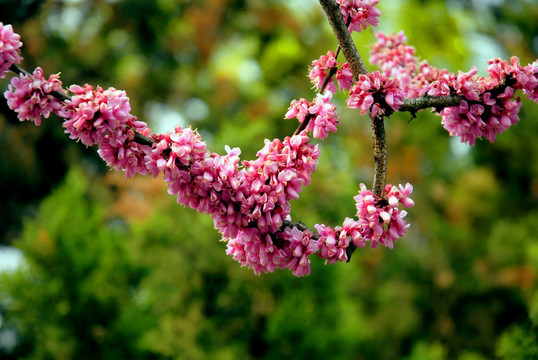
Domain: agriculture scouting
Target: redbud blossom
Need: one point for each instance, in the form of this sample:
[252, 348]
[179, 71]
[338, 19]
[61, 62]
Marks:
[361, 12]
[380, 220]
[29, 96]
[398, 61]
[490, 107]
[103, 117]
[322, 117]
[375, 93]
[10, 45]
[322, 67]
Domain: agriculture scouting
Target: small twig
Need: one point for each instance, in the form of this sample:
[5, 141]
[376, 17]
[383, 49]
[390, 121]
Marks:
[138, 138]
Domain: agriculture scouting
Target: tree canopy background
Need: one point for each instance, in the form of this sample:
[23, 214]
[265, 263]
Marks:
[114, 268]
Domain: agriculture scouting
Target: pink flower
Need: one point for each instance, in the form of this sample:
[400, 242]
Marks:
[490, 107]
[320, 70]
[257, 252]
[298, 109]
[324, 115]
[393, 55]
[30, 96]
[380, 220]
[398, 61]
[527, 80]
[361, 12]
[375, 93]
[103, 117]
[333, 243]
[325, 66]
[10, 45]
[344, 76]
[298, 247]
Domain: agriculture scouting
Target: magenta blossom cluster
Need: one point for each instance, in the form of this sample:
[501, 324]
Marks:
[324, 67]
[10, 44]
[270, 182]
[523, 77]
[30, 96]
[380, 218]
[375, 93]
[359, 13]
[490, 106]
[103, 117]
[397, 60]
[249, 201]
[379, 221]
[320, 114]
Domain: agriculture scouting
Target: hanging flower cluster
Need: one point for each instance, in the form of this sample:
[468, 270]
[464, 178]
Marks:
[325, 67]
[490, 106]
[249, 201]
[103, 117]
[320, 114]
[10, 44]
[375, 93]
[30, 96]
[379, 221]
[359, 13]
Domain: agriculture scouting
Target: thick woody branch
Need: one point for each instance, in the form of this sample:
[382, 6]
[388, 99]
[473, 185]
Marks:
[425, 102]
[380, 155]
[332, 9]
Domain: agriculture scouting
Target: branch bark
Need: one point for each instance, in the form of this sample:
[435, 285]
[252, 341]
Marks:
[424, 102]
[332, 9]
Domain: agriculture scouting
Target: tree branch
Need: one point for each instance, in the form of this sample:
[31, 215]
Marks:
[332, 9]
[139, 138]
[424, 102]
[380, 155]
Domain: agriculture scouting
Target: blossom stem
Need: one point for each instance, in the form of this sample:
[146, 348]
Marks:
[424, 102]
[332, 9]
[380, 155]
[139, 138]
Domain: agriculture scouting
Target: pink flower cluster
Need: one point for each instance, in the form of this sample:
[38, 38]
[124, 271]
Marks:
[359, 13]
[320, 114]
[397, 60]
[525, 77]
[10, 44]
[375, 93]
[29, 96]
[248, 203]
[325, 66]
[490, 107]
[103, 117]
[267, 185]
[379, 220]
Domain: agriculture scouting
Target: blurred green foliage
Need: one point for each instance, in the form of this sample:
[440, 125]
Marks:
[115, 269]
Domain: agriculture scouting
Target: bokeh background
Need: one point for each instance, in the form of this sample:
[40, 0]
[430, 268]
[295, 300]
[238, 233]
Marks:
[96, 266]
